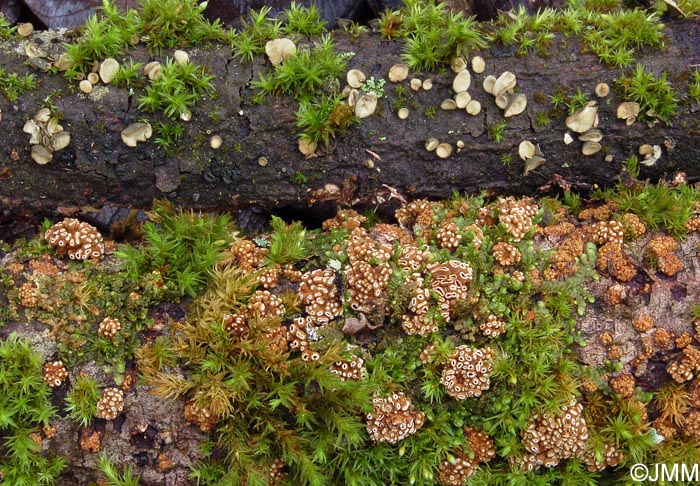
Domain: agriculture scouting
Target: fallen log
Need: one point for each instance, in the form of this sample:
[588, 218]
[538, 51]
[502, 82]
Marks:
[380, 158]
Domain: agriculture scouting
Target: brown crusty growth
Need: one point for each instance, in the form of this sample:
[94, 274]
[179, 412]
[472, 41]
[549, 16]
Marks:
[77, 239]
[298, 338]
[111, 404]
[109, 328]
[552, 437]
[611, 457]
[416, 321]
[263, 304]
[516, 215]
[393, 419]
[603, 232]
[448, 236]
[623, 384]
[466, 373]
[450, 281]
[54, 373]
[319, 295]
[352, 369]
[455, 472]
[492, 326]
[685, 369]
[199, 415]
[505, 254]
[662, 250]
[28, 294]
[366, 285]
[363, 248]
[344, 218]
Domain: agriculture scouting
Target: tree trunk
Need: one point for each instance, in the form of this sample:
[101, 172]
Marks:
[365, 164]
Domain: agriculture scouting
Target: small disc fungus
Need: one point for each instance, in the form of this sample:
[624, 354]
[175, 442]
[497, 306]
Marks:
[181, 57]
[366, 105]
[458, 64]
[478, 64]
[584, 119]
[355, 78]
[136, 132]
[279, 50]
[462, 81]
[398, 72]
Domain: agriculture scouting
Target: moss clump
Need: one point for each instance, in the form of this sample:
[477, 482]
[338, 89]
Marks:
[13, 85]
[161, 24]
[81, 401]
[6, 28]
[618, 36]
[168, 24]
[656, 96]
[658, 205]
[526, 31]
[432, 34]
[694, 87]
[177, 89]
[181, 246]
[322, 119]
[24, 407]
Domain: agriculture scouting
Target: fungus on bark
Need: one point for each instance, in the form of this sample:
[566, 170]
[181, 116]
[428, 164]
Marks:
[54, 373]
[319, 295]
[111, 404]
[393, 419]
[77, 239]
[109, 327]
[467, 371]
[552, 437]
[450, 281]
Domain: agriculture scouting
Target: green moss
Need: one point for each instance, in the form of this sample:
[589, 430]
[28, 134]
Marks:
[576, 101]
[658, 205]
[652, 93]
[6, 28]
[432, 34]
[182, 246]
[168, 24]
[618, 36]
[496, 131]
[288, 242]
[255, 33]
[302, 20]
[130, 75]
[12, 85]
[161, 24]
[307, 73]
[177, 89]
[101, 39]
[168, 136]
[114, 477]
[323, 118]
[526, 31]
[694, 87]
[542, 118]
[24, 407]
[81, 400]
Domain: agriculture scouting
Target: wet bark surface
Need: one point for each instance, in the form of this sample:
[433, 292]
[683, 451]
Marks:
[98, 169]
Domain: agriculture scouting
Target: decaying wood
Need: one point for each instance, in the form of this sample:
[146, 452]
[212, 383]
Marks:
[378, 159]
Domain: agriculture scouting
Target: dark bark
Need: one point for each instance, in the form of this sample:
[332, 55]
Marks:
[97, 169]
